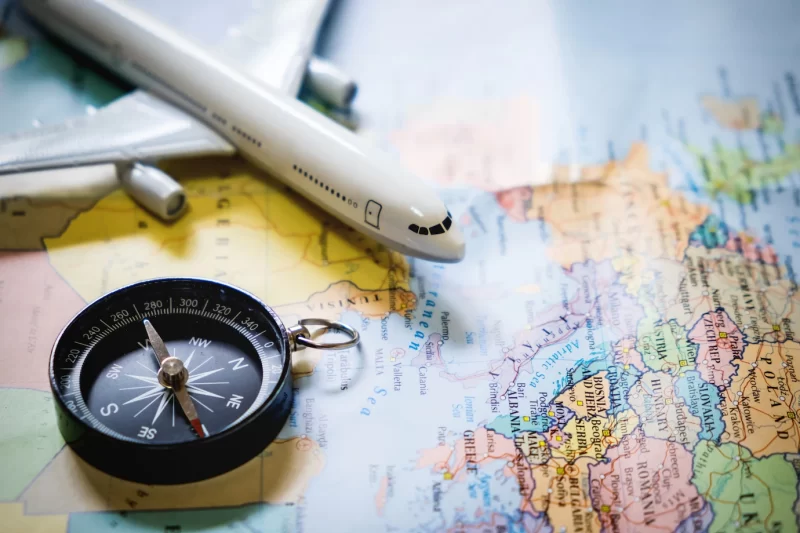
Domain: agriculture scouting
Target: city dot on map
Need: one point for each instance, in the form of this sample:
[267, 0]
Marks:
[580, 402]
[447, 475]
[776, 327]
[682, 362]
[667, 401]
[606, 432]
[550, 413]
[790, 414]
[558, 438]
[626, 367]
[625, 350]
[526, 419]
[560, 471]
[782, 398]
[542, 444]
[722, 335]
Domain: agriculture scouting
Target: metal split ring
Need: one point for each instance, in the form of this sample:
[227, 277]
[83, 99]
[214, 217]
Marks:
[302, 338]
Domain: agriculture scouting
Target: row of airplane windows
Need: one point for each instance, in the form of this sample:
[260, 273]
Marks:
[438, 229]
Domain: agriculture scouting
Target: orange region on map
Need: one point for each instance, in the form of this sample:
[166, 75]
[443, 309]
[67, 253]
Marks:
[466, 455]
[562, 492]
[645, 485]
[758, 297]
[760, 405]
[587, 398]
[280, 475]
[344, 295]
[662, 413]
[35, 303]
[487, 145]
[751, 248]
[720, 341]
[626, 355]
[650, 219]
[741, 114]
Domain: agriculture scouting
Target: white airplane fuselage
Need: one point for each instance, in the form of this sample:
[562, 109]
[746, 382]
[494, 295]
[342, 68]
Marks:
[315, 156]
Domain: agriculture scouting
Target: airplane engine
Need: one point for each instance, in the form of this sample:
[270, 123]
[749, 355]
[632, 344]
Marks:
[329, 83]
[153, 189]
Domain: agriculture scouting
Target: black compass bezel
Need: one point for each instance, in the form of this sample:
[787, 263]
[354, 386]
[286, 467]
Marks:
[186, 461]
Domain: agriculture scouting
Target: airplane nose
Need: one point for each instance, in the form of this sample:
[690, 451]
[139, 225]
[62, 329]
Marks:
[454, 248]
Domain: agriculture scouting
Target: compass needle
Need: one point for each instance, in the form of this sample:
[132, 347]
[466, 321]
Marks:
[192, 379]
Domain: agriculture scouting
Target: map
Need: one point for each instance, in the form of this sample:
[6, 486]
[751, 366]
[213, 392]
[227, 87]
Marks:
[618, 352]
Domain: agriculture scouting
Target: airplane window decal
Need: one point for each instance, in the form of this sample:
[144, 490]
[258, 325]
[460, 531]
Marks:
[438, 229]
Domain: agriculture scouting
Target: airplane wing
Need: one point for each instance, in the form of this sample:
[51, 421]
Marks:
[275, 42]
[136, 127]
[272, 40]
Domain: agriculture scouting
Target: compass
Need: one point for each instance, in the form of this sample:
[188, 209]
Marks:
[177, 379]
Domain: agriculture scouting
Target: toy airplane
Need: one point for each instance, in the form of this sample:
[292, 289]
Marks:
[193, 103]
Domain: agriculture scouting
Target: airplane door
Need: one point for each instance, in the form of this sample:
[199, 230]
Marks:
[372, 214]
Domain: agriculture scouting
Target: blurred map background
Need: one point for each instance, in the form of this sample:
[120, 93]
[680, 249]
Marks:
[617, 352]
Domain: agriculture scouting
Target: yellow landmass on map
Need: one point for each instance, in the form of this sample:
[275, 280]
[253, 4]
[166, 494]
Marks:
[563, 492]
[14, 520]
[741, 114]
[242, 229]
[345, 295]
[587, 398]
[760, 411]
[279, 475]
[620, 206]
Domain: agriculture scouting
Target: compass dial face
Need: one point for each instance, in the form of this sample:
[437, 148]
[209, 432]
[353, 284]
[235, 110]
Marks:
[106, 371]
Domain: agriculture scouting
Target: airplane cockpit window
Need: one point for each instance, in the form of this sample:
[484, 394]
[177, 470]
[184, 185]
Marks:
[438, 229]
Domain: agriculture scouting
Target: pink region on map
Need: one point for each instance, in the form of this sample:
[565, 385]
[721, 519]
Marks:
[516, 202]
[35, 303]
[625, 354]
[430, 354]
[645, 485]
[751, 248]
[720, 341]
